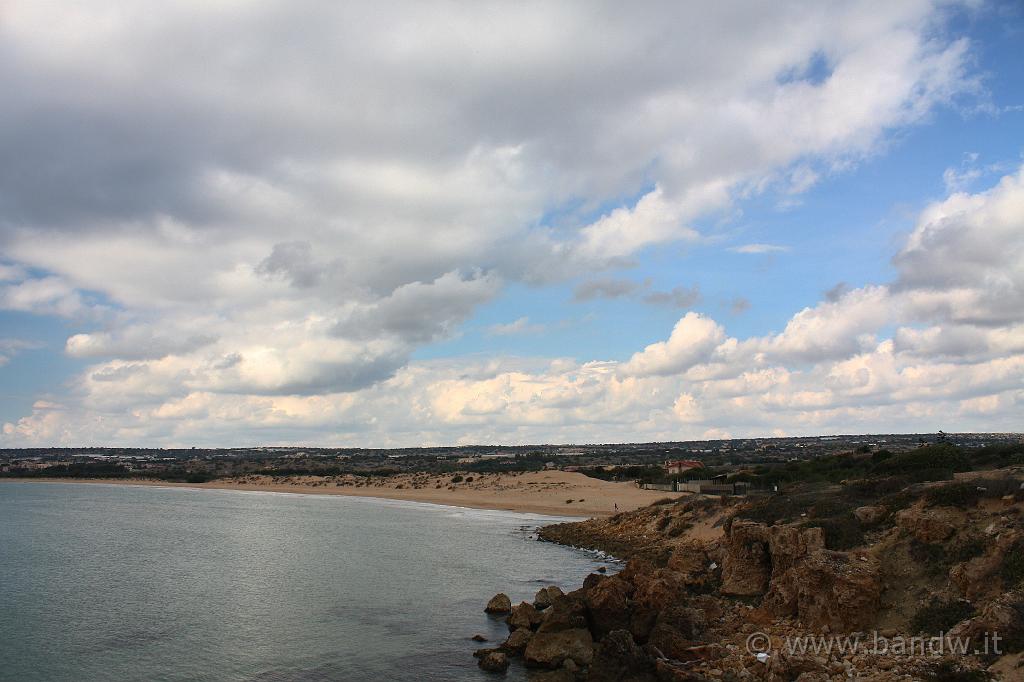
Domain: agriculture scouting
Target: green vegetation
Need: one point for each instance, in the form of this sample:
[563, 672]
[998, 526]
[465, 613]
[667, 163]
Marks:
[937, 559]
[998, 456]
[949, 671]
[642, 473]
[939, 616]
[1012, 570]
[928, 463]
[953, 495]
[966, 549]
[968, 493]
[842, 532]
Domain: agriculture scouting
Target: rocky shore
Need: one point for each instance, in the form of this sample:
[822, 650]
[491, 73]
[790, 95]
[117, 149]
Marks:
[712, 592]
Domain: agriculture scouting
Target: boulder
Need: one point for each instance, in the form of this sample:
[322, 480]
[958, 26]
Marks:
[670, 671]
[665, 641]
[517, 641]
[619, 658]
[653, 592]
[551, 649]
[499, 603]
[608, 605]
[870, 515]
[524, 615]
[567, 612]
[688, 621]
[494, 662]
[786, 666]
[545, 596]
[693, 563]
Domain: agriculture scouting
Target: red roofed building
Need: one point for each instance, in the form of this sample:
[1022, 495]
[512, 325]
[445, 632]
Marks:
[681, 466]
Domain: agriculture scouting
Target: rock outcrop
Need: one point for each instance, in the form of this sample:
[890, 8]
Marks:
[834, 590]
[979, 577]
[545, 596]
[499, 603]
[620, 659]
[799, 577]
[671, 613]
[524, 615]
[870, 515]
[930, 526]
[755, 553]
[747, 564]
[551, 649]
[517, 641]
[494, 662]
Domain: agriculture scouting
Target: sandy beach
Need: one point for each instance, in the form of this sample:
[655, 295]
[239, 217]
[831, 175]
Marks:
[543, 492]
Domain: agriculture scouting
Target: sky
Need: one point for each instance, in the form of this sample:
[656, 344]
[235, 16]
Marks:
[420, 223]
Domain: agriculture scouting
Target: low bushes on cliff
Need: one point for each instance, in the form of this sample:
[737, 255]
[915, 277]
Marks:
[940, 615]
[1012, 570]
[841, 532]
[968, 493]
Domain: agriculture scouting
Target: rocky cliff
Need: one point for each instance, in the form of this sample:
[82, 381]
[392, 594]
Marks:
[705, 576]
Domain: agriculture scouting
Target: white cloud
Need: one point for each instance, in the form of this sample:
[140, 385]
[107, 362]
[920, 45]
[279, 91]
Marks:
[268, 224]
[759, 248]
[11, 347]
[515, 328]
[692, 341]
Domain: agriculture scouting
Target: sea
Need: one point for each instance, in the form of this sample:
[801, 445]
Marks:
[116, 582]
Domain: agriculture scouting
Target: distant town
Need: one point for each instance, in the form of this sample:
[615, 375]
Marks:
[648, 462]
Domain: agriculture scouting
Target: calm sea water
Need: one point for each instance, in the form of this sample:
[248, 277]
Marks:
[107, 582]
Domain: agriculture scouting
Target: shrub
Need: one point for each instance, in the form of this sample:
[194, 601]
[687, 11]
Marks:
[998, 456]
[775, 508]
[1012, 570]
[678, 529]
[663, 522]
[953, 495]
[841, 532]
[664, 500]
[933, 458]
[457, 478]
[939, 616]
[1000, 487]
[881, 456]
[949, 671]
[827, 508]
[965, 550]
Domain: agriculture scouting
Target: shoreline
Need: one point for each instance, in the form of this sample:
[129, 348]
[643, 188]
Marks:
[544, 493]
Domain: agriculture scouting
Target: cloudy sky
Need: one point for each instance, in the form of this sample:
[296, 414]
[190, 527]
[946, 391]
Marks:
[409, 223]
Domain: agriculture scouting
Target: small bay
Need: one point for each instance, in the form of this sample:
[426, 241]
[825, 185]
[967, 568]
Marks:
[109, 582]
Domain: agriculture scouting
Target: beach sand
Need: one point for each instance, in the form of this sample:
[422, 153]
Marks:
[541, 492]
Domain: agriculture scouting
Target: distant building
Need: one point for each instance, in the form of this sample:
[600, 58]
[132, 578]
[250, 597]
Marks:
[681, 466]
